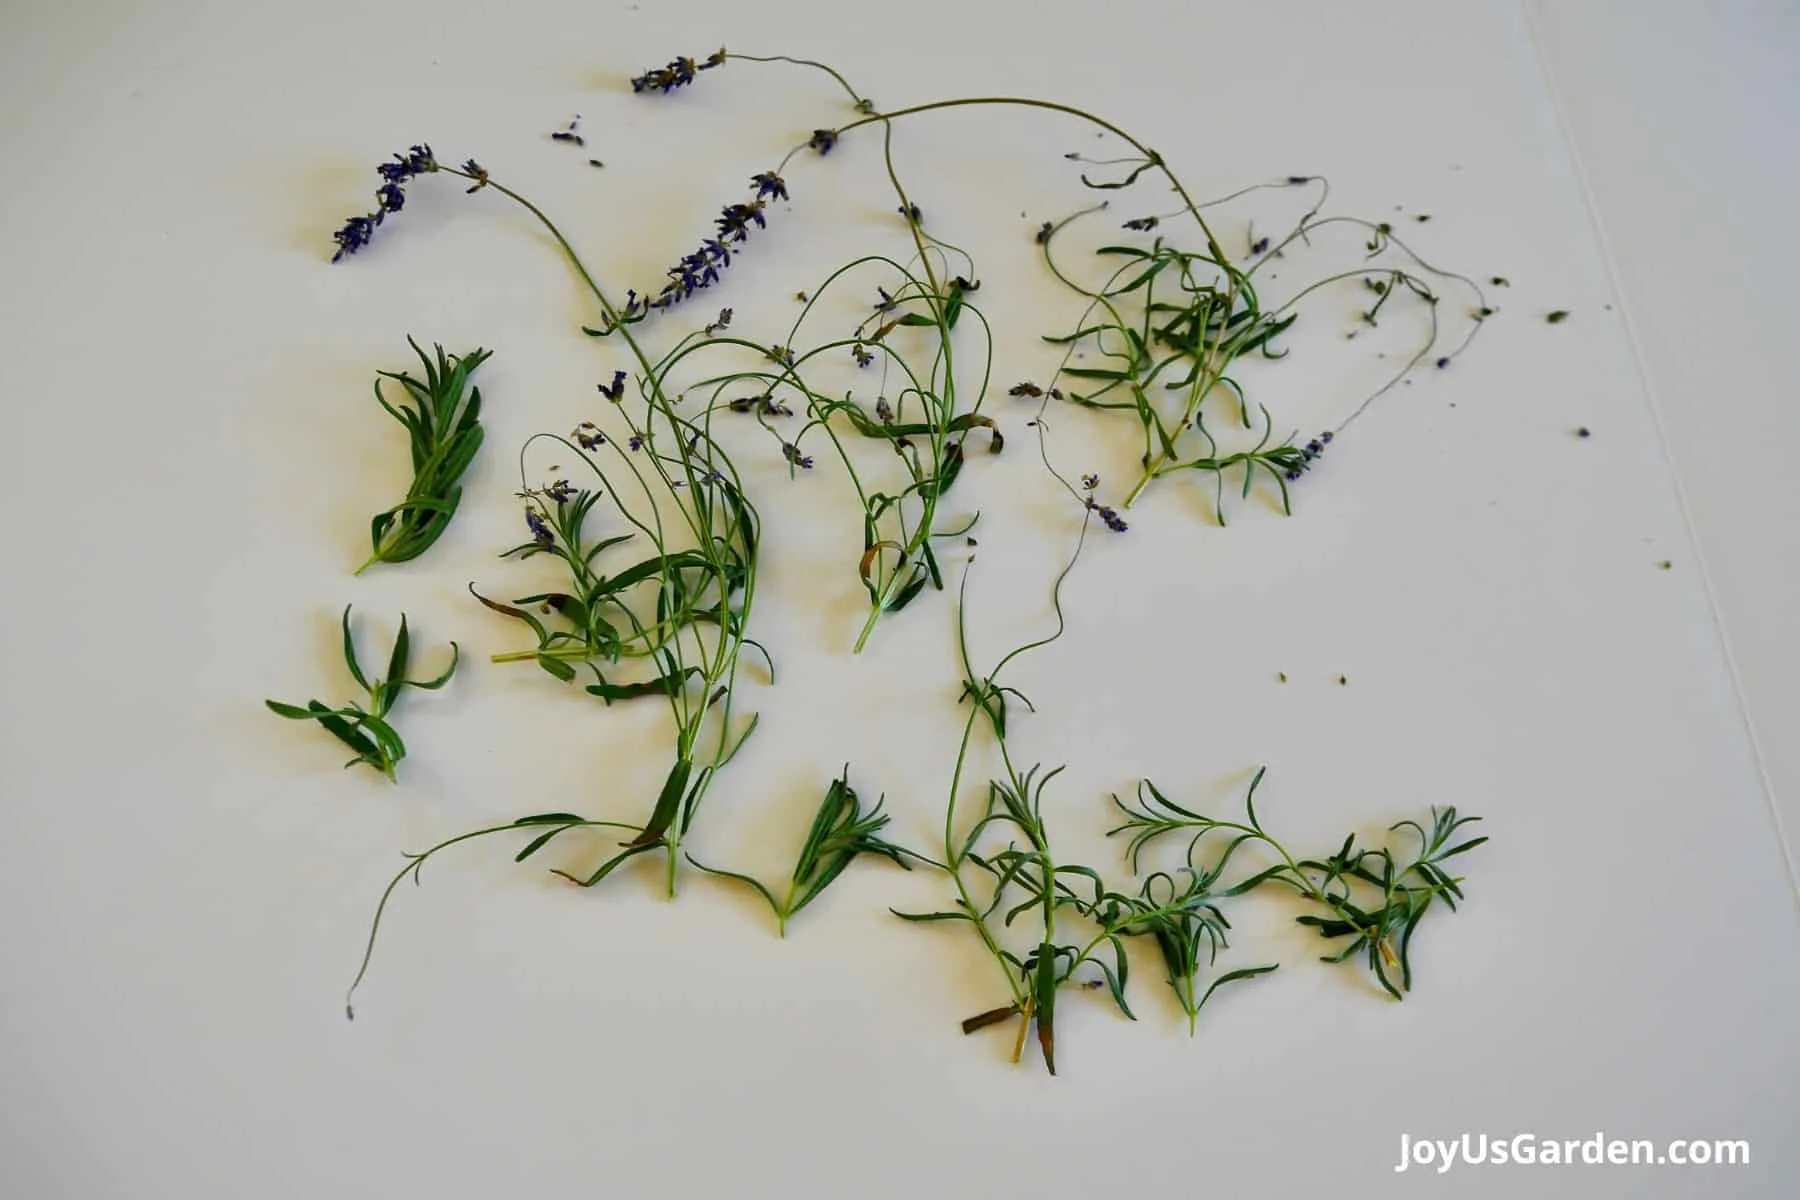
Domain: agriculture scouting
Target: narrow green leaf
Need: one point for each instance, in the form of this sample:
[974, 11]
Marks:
[386, 737]
[743, 737]
[344, 732]
[1468, 845]
[923, 918]
[350, 652]
[1117, 987]
[516, 613]
[290, 711]
[432, 685]
[667, 803]
[1044, 1005]
[741, 878]
[662, 685]
[609, 865]
[905, 595]
[557, 667]
[402, 650]
[540, 841]
[1233, 977]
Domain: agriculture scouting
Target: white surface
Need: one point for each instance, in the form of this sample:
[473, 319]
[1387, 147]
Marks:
[192, 453]
[1682, 115]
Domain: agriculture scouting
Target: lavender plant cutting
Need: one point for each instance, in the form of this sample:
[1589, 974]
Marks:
[657, 539]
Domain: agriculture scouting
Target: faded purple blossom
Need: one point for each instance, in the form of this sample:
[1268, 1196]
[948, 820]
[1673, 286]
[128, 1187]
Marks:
[769, 185]
[390, 197]
[540, 528]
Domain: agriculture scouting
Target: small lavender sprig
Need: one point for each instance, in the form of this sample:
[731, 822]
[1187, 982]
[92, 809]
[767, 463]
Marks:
[1188, 337]
[1109, 516]
[390, 197]
[1309, 454]
[841, 830]
[678, 74]
[368, 730]
[703, 267]
[444, 429]
[1371, 896]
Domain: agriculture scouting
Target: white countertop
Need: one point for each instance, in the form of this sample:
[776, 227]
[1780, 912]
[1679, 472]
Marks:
[192, 454]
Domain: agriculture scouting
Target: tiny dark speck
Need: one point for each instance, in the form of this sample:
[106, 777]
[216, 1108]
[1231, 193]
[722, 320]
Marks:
[1664, 565]
[1557, 317]
[1343, 679]
[1584, 431]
